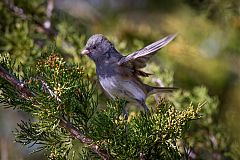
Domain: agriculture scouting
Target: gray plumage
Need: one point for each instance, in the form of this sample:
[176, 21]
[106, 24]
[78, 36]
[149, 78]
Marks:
[118, 74]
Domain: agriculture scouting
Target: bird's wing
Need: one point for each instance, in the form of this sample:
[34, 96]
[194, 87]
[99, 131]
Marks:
[139, 58]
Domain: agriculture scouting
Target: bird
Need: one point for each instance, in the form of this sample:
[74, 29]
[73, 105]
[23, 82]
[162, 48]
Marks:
[119, 75]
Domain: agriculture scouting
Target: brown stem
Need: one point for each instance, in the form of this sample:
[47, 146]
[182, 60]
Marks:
[26, 93]
[76, 134]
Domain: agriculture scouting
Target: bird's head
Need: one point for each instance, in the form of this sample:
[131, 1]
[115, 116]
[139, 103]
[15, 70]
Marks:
[97, 47]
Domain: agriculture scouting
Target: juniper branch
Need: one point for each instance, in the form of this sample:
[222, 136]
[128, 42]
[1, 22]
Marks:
[27, 93]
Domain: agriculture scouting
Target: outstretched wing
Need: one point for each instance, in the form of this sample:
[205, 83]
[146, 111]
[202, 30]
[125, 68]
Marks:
[139, 58]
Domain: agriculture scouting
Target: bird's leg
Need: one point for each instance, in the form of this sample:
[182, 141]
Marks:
[125, 116]
[143, 104]
[125, 113]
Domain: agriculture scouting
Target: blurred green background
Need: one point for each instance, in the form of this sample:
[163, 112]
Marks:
[206, 51]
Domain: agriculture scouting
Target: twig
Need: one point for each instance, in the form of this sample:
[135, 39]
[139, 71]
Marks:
[50, 5]
[46, 88]
[27, 93]
[16, 10]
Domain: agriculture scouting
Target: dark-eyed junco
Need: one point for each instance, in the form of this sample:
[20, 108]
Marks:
[118, 74]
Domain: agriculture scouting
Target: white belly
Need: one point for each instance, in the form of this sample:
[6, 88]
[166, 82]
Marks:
[121, 88]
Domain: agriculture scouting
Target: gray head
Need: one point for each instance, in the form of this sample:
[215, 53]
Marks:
[98, 47]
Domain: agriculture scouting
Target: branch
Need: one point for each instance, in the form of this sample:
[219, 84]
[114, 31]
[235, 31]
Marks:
[76, 134]
[27, 93]
[46, 27]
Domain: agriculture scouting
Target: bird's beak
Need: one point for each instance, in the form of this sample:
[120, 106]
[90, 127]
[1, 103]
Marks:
[85, 51]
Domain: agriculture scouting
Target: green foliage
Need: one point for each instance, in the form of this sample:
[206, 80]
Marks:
[25, 38]
[206, 132]
[155, 135]
[17, 34]
[63, 91]
[198, 96]
[76, 103]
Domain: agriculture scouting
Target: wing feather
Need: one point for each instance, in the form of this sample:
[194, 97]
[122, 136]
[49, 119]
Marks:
[139, 58]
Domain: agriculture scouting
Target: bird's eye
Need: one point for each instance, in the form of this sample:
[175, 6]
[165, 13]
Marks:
[94, 47]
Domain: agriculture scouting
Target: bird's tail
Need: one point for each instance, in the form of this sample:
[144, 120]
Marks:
[154, 90]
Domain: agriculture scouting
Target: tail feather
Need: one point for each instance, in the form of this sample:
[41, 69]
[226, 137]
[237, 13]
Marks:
[154, 90]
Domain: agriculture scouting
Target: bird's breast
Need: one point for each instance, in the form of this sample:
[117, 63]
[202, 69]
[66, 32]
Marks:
[117, 86]
[105, 70]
